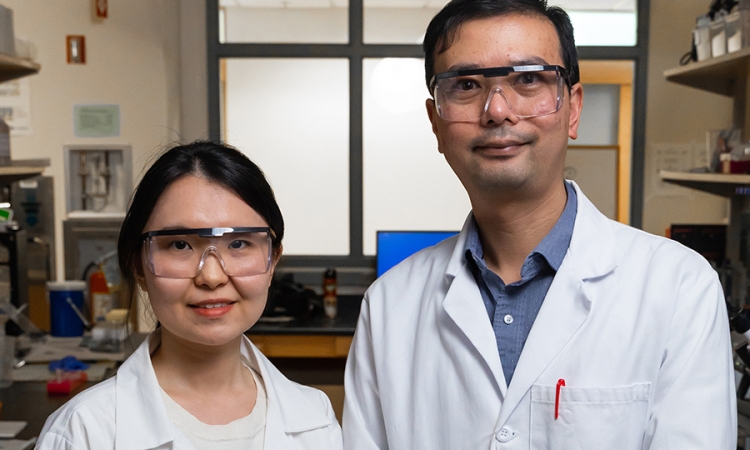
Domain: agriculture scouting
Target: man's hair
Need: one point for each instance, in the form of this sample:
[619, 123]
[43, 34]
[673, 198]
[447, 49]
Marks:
[443, 28]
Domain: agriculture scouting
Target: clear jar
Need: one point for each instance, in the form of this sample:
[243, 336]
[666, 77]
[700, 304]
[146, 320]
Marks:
[702, 38]
[734, 32]
[718, 35]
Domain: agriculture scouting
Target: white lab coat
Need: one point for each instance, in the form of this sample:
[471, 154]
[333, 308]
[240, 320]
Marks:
[127, 411]
[635, 324]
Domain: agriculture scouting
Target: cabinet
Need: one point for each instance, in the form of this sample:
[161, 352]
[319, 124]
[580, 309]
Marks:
[727, 75]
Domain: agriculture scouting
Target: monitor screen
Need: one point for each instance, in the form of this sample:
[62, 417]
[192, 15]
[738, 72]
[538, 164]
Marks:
[395, 246]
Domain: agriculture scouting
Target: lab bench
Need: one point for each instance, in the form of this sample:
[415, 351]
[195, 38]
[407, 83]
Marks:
[316, 336]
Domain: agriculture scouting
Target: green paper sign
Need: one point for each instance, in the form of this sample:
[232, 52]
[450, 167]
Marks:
[96, 120]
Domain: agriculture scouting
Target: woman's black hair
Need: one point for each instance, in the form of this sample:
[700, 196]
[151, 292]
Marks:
[218, 163]
[443, 28]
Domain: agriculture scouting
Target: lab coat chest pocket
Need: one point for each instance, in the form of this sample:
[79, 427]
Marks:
[589, 418]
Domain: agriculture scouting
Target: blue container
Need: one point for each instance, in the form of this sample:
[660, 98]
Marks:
[64, 320]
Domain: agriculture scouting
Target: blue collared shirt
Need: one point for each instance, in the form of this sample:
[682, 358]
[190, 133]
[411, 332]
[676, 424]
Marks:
[513, 308]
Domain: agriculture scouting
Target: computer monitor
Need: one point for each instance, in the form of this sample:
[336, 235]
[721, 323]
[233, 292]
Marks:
[395, 246]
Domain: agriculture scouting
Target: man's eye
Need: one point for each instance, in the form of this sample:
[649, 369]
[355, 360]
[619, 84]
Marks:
[466, 85]
[528, 79]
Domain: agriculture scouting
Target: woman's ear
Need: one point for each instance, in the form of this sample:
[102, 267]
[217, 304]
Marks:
[140, 278]
[277, 254]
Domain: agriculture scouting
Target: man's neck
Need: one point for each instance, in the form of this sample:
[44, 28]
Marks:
[510, 229]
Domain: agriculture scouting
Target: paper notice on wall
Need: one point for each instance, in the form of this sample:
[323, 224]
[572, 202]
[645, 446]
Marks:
[96, 120]
[15, 106]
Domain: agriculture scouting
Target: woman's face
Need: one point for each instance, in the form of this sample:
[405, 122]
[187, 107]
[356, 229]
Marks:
[211, 308]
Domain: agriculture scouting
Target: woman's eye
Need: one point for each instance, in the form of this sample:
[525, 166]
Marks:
[179, 245]
[236, 245]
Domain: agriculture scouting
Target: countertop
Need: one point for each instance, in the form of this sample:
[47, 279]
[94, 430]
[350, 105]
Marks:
[317, 324]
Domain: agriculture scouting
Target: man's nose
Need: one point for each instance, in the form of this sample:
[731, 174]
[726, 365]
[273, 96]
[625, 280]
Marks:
[497, 108]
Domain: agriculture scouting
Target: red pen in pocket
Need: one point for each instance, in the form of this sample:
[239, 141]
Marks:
[560, 383]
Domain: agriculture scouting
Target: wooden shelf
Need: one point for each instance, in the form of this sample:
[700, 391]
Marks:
[9, 174]
[716, 75]
[12, 68]
[714, 183]
[21, 169]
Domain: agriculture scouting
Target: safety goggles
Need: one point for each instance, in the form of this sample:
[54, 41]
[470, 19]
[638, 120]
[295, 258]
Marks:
[528, 91]
[181, 253]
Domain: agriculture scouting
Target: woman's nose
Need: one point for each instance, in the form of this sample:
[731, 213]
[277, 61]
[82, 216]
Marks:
[211, 272]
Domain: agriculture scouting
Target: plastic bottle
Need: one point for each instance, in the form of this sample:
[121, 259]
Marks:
[329, 293]
[101, 298]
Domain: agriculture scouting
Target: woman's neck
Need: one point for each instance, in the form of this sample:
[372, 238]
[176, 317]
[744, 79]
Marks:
[210, 382]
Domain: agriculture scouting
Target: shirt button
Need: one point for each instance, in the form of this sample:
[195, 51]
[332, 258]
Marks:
[508, 319]
[505, 435]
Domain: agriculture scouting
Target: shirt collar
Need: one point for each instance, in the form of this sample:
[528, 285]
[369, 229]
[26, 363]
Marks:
[552, 248]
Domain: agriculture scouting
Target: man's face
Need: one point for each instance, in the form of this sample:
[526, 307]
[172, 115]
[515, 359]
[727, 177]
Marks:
[501, 154]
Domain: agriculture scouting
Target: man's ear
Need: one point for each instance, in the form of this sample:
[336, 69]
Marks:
[576, 105]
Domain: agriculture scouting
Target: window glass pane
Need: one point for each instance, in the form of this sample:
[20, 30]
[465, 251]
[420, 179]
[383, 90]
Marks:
[595, 171]
[600, 115]
[398, 21]
[291, 116]
[602, 22]
[408, 185]
[284, 21]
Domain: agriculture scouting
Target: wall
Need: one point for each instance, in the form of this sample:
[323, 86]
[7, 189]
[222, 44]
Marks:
[133, 60]
[677, 118]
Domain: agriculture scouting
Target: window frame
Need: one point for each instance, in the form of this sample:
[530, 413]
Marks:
[356, 51]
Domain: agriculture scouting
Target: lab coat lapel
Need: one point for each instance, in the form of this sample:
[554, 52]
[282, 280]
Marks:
[564, 310]
[139, 405]
[289, 410]
[463, 304]
[591, 254]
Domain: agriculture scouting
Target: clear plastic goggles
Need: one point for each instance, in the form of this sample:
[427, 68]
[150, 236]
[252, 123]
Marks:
[529, 91]
[181, 253]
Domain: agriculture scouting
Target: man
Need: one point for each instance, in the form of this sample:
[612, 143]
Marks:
[543, 325]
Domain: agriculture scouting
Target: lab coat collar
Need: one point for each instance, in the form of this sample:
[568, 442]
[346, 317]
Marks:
[289, 410]
[143, 422]
[591, 254]
[592, 245]
[566, 306]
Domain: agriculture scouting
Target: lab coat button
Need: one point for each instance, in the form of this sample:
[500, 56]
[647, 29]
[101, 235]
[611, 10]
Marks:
[505, 434]
[508, 319]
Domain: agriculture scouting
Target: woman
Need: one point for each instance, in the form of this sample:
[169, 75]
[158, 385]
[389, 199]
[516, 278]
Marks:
[202, 237]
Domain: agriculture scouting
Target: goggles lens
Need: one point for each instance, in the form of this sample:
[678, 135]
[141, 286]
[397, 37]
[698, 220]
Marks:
[528, 91]
[182, 253]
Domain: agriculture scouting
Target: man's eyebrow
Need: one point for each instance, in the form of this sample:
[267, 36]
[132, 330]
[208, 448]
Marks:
[460, 66]
[532, 61]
